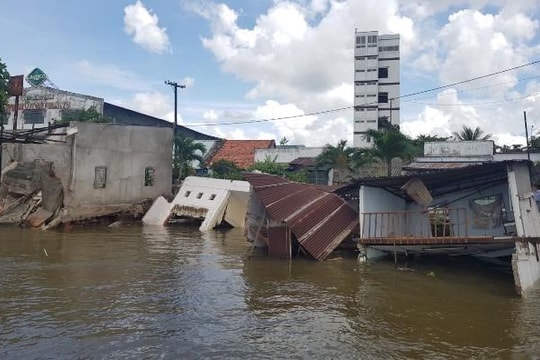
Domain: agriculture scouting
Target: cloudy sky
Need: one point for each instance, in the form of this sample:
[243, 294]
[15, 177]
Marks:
[251, 66]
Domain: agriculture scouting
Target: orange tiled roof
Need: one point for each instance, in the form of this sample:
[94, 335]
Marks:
[241, 152]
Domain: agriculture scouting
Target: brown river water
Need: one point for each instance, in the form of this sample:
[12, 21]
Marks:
[137, 292]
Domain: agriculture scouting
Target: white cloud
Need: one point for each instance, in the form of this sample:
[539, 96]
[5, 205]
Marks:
[152, 103]
[110, 75]
[142, 25]
[210, 115]
[307, 67]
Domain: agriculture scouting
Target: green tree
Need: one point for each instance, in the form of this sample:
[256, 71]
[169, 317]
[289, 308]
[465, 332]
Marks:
[421, 139]
[342, 159]
[300, 176]
[185, 151]
[391, 143]
[225, 169]
[269, 166]
[4, 84]
[470, 134]
[88, 115]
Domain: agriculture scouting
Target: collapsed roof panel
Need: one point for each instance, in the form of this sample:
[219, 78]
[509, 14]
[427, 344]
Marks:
[320, 220]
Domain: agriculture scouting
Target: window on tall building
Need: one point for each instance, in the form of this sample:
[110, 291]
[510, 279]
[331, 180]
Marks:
[372, 39]
[360, 41]
[383, 97]
[388, 48]
[34, 116]
[383, 73]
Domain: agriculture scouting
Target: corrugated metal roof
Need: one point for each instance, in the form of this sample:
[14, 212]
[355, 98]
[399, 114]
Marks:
[319, 219]
[303, 161]
[441, 181]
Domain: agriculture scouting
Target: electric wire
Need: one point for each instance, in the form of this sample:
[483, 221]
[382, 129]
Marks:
[253, 121]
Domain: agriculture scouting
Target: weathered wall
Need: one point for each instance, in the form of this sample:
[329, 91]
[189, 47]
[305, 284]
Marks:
[256, 219]
[59, 154]
[52, 102]
[373, 200]
[287, 154]
[458, 148]
[125, 151]
[526, 260]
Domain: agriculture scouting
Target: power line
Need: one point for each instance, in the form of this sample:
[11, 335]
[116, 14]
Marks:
[466, 90]
[475, 104]
[469, 80]
[273, 119]
[253, 121]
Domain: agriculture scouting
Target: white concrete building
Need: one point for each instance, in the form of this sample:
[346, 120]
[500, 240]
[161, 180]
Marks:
[213, 201]
[376, 83]
[39, 106]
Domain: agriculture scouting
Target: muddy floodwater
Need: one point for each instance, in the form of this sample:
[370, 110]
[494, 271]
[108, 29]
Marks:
[139, 292]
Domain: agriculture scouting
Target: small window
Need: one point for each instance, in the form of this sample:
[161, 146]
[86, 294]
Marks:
[149, 176]
[187, 193]
[34, 116]
[199, 195]
[383, 73]
[360, 40]
[212, 197]
[100, 177]
[383, 97]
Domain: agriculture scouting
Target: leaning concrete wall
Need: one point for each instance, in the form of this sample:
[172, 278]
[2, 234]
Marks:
[124, 152]
[59, 154]
[526, 260]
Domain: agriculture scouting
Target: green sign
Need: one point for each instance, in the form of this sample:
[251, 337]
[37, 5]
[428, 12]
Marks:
[36, 77]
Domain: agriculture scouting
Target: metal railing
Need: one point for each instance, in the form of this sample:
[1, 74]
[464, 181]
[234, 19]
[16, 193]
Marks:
[438, 222]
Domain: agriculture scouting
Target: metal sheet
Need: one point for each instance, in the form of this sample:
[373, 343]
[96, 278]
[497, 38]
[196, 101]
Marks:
[279, 244]
[320, 220]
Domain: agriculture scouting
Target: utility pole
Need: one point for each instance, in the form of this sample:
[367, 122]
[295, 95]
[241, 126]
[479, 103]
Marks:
[527, 136]
[175, 86]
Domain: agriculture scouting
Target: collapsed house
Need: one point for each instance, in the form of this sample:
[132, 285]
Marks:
[486, 211]
[86, 171]
[291, 218]
[285, 217]
[212, 202]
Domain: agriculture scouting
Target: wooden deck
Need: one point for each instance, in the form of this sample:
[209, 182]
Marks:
[446, 240]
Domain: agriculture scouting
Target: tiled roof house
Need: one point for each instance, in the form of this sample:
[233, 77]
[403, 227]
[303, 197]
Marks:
[241, 152]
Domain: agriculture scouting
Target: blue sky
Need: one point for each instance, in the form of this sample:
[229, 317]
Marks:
[250, 60]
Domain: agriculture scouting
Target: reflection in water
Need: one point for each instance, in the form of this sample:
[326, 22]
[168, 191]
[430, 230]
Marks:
[172, 292]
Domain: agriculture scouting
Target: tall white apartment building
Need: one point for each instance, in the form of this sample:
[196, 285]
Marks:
[376, 84]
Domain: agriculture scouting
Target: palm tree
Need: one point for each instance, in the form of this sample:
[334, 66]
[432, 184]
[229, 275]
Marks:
[342, 159]
[391, 143]
[185, 152]
[470, 134]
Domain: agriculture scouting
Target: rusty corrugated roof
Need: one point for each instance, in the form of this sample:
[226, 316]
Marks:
[319, 219]
[303, 161]
[241, 152]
